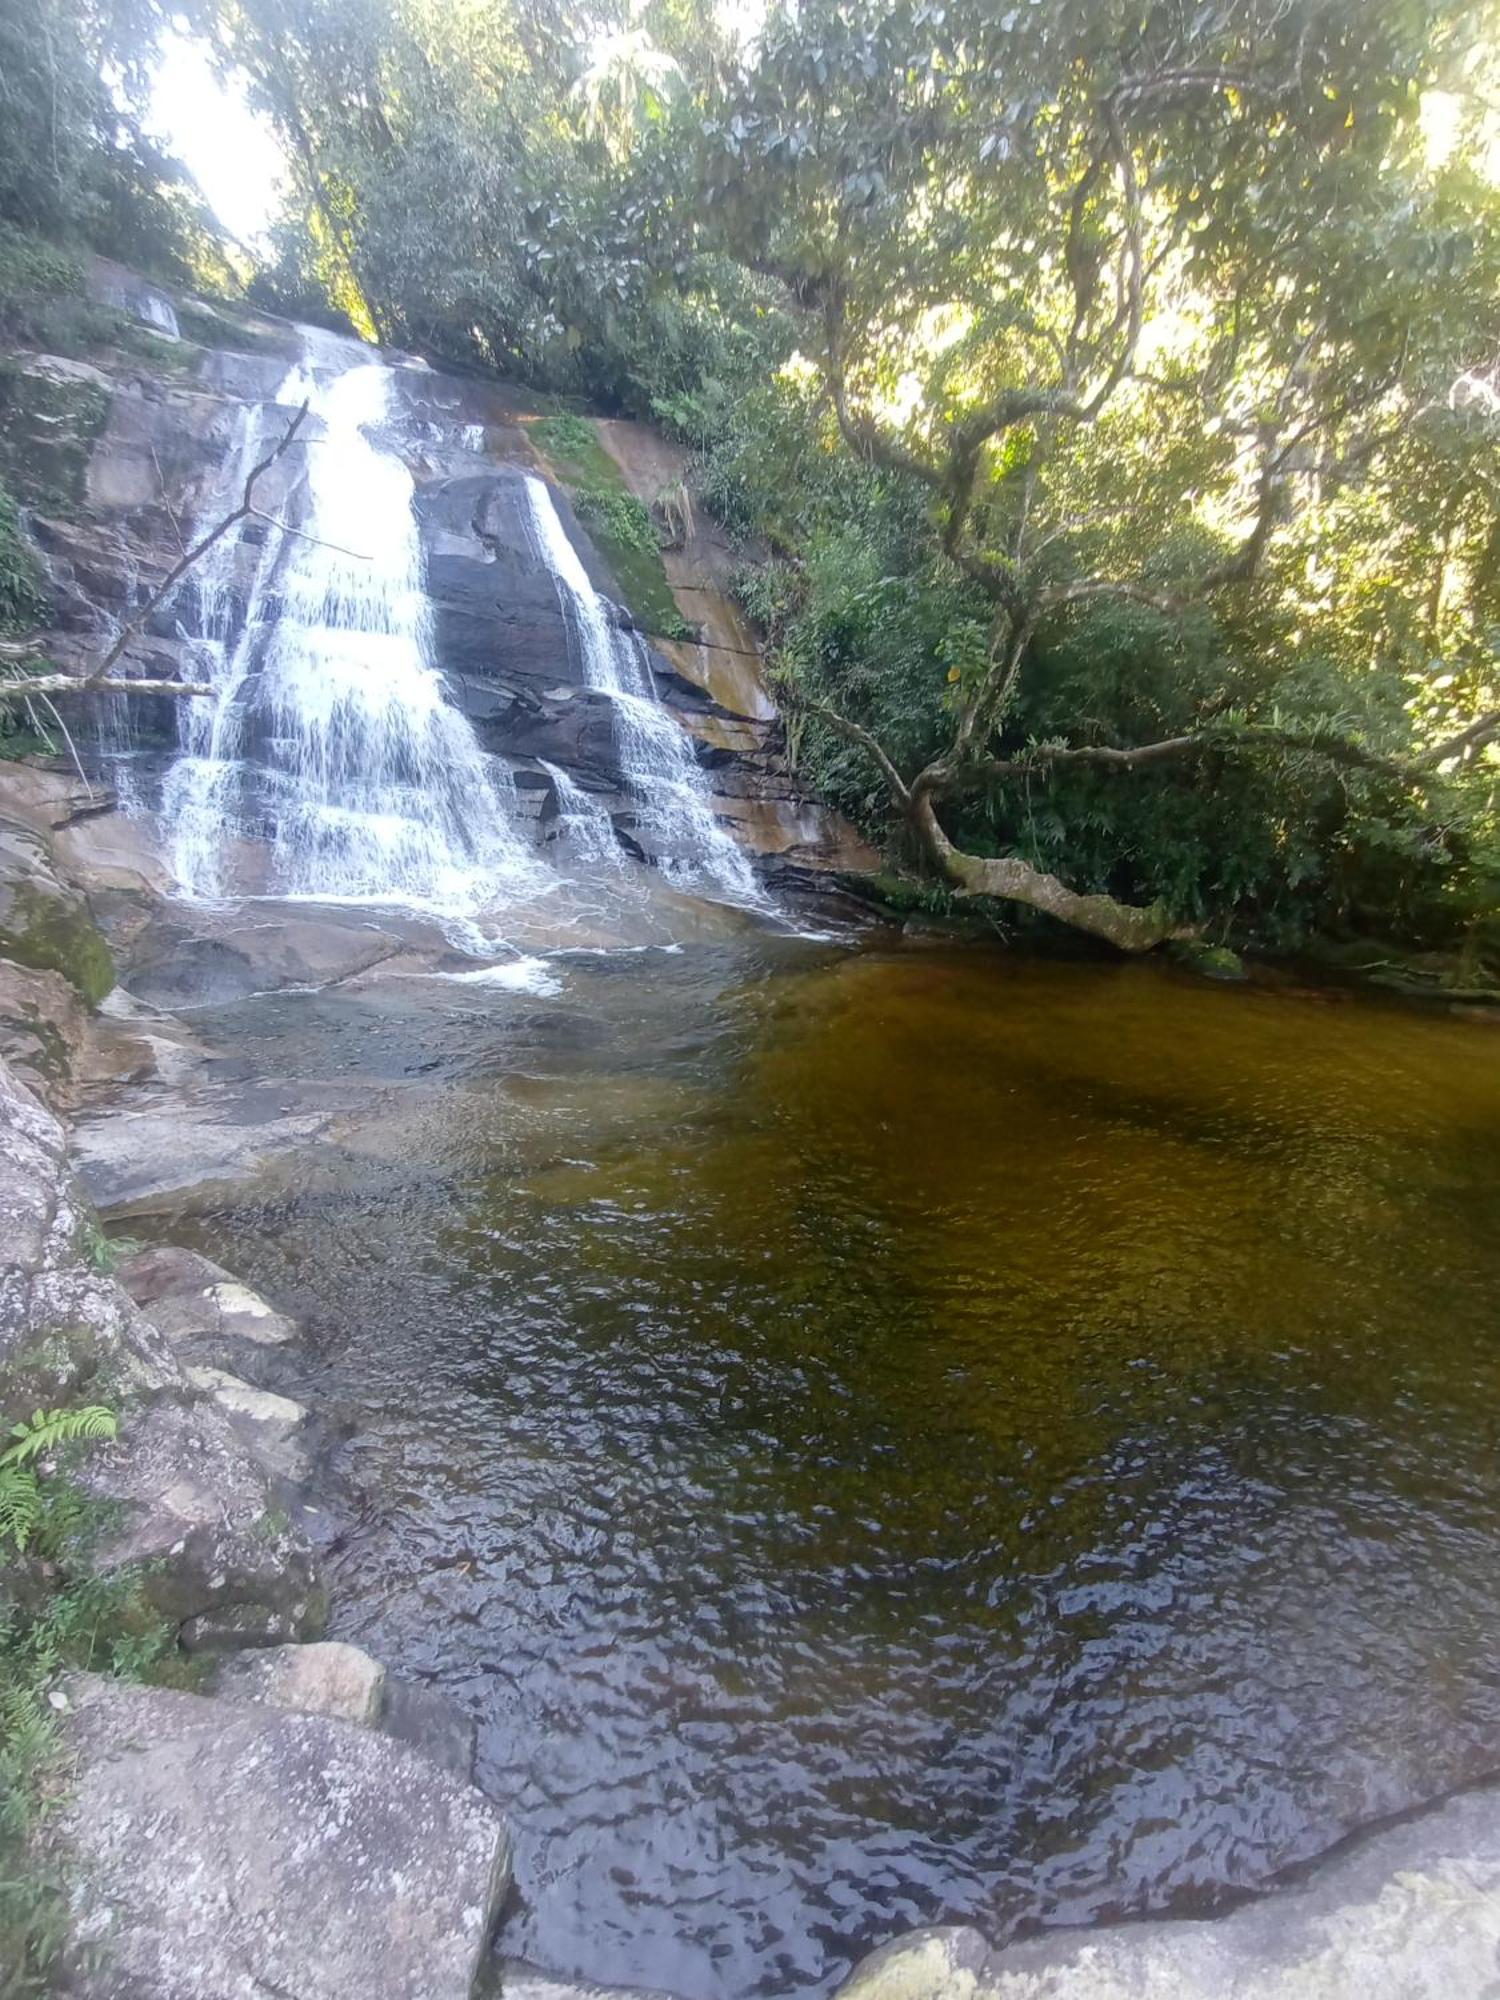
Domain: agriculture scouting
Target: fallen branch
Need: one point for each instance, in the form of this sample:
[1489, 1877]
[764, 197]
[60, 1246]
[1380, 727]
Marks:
[49, 684]
[99, 681]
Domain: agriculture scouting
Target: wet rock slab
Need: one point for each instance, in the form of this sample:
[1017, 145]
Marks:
[1412, 1911]
[224, 1851]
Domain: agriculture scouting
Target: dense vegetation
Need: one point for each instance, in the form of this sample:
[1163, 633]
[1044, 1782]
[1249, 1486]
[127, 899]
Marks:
[1107, 395]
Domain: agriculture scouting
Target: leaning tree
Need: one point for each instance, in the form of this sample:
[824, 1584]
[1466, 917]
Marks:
[1138, 295]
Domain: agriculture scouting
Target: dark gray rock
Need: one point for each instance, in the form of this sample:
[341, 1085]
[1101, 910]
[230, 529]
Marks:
[219, 1850]
[429, 1721]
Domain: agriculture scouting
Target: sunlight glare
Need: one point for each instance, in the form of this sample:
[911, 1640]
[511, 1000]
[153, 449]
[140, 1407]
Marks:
[229, 148]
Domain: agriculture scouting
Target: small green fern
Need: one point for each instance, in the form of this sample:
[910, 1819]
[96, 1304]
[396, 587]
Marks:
[46, 1429]
[20, 1505]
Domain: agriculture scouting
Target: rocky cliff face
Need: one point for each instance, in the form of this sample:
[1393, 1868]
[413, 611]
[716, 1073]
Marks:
[118, 457]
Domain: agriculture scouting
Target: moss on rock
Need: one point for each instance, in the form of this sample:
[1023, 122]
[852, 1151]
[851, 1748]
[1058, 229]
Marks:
[53, 934]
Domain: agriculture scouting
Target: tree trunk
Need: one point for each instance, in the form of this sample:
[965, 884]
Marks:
[1011, 880]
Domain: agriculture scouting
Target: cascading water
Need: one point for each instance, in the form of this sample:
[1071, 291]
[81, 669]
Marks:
[674, 816]
[330, 731]
[583, 826]
[329, 763]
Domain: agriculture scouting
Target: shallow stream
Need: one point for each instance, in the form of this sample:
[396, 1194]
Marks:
[887, 1435]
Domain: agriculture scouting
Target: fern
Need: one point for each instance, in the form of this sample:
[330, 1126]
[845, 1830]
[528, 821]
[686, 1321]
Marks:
[47, 1429]
[20, 1505]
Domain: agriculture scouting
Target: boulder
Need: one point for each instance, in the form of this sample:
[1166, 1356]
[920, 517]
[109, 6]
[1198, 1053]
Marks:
[271, 1425]
[196, 1508]
[1412, 1909]
[43, 1030]
[185, 1295]
[44, 922]
[217, 1553]
[325, 1678]
[220, 1850]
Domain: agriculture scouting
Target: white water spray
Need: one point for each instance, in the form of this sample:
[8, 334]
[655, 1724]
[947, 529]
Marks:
[583, 826]
[330, 730]
[676, 822]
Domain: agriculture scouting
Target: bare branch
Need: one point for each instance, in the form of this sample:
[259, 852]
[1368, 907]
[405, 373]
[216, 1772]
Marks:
[99, 681]
[49, 684]
[195, 554]
[1343, 750]
[851, 733]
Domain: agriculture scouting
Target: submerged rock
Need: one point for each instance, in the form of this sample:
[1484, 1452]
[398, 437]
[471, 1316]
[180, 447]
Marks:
[1412, 1910]
[215, 1850]
[431, 1722]
[520, 1981]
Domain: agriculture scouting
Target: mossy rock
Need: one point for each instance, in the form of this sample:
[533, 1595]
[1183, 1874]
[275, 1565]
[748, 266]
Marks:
[616, 522]
[53, 933]
[51, 412]
[1211, 961]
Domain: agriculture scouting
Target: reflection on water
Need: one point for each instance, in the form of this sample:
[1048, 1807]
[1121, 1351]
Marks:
[899, 1437]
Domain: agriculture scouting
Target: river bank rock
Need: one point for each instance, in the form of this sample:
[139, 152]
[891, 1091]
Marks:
[225, 1850]
[1411, 1910]
[197, 1509]
[43, 1030]
[327, 1677]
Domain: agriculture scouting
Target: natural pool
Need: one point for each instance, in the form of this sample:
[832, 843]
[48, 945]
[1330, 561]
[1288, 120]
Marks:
[887, 1435]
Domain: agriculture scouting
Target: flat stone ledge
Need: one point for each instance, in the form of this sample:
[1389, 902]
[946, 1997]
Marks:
[519, 1980]
[214, 1850]
[1412, 1911]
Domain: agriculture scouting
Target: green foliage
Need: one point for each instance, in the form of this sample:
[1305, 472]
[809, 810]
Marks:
[35, 275]
[23, 602]
[617, 518]
[56, 1613]
[75, 165]
[970, 316]
[44, 1430]
[20, 1490]
[618, 523]
[569, 440]
[572, 445]
[55, 935]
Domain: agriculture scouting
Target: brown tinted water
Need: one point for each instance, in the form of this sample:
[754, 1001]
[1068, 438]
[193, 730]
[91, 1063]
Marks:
[889, 1436]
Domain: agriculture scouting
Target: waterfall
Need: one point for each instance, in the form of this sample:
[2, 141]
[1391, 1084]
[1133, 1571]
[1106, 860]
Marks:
[584, 828]
[329, 763]
[670, 794]
[330, 730]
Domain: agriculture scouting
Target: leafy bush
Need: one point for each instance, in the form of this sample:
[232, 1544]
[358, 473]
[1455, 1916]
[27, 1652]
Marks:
[56, 1613]
[618, 518]
[23, 602]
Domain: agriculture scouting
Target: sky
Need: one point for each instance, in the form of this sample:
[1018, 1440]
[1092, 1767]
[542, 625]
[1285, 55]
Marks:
[229, 149]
